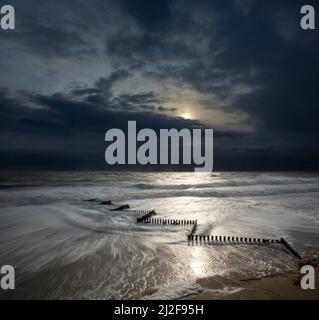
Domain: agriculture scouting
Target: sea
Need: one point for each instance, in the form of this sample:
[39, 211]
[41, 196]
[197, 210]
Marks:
[63, 246]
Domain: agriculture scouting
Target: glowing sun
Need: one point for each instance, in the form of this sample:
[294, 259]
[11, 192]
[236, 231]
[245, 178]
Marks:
[186, 115]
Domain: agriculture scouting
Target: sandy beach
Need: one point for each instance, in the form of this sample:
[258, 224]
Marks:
[278, 287]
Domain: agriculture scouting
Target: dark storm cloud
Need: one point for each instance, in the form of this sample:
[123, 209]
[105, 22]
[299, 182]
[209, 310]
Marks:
[102, 94]
[50, 42]
[93, 108]
[285, 67]
[167, 109]
[242, 57]
[45, 31]
[153, 16]
[66, 130]
[146, 101]
[254, 44]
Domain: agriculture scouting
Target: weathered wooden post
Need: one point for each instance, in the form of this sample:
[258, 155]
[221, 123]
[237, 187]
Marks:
[290, 248]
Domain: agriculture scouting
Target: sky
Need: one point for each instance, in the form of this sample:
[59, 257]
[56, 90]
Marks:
[73, 69]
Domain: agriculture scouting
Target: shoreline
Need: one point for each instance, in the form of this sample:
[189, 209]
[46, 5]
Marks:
[277, 287]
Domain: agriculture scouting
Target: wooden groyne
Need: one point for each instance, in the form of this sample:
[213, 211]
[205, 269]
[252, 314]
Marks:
[146, 217]
[137, 211]
[168, 222]
[103, 202]
[201, 239]
[290, 248]
[107, 202]
[212, 239]
[192, 237]
[194, 228]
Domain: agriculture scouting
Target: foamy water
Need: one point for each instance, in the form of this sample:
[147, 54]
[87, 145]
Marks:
[65, 247]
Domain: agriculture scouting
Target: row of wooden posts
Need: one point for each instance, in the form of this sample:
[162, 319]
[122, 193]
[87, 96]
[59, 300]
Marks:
[192, 237]
[228, 239]
[148, 214]
[136, 211]
[166, 221]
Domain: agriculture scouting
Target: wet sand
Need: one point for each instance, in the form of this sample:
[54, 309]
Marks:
[278, 287]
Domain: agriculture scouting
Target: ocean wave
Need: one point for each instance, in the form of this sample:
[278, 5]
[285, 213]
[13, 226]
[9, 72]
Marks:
[214, 191]
[230, 183]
